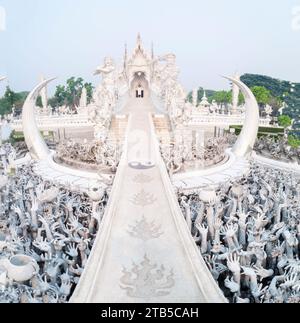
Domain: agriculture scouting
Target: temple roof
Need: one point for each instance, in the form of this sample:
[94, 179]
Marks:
[139, 56]
[204, 100]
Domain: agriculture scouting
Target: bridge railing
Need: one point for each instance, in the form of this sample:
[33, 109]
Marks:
[54, 122]
[95, 261]
[205, 281]
[227, 120]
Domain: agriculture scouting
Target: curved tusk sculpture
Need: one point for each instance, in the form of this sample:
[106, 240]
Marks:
[2, 78]
[247, 138]
[33, 138]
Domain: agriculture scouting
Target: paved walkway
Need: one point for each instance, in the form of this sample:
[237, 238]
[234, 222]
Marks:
[144, 251]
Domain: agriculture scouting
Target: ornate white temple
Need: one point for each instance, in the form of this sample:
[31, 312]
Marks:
[142, 201]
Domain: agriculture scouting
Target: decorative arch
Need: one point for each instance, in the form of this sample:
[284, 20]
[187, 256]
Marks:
[139, 82]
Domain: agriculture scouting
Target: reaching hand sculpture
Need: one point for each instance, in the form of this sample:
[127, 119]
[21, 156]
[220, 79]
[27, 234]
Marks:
[97, 154]
[49, 229]
[278, 149]
[180, 156]
[254, 249]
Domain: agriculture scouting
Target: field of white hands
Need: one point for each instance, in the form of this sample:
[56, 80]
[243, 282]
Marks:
[248, 233]
[46, 235]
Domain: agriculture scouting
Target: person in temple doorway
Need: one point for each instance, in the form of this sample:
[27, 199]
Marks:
[140, 92]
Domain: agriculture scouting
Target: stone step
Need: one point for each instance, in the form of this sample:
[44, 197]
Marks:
[118, 129]
[162, 126]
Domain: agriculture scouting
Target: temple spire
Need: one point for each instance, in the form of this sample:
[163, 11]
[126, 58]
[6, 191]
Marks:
[204, 101]
[152, 50]
[126, 52]
[139, 41]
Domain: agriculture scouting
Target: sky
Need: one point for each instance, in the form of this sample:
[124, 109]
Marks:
[210, 38]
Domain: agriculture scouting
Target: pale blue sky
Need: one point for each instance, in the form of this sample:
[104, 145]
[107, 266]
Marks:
[210, 37]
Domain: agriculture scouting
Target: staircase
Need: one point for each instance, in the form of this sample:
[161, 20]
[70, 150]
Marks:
[118, 128]
[162, 126]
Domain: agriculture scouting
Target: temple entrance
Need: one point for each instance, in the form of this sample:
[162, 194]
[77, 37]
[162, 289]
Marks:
[139, 86]
[139, 93]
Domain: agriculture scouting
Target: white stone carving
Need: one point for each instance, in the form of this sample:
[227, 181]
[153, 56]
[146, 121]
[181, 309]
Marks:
[145, 230]
[247, 231]
[34, 140]
[235, 94]
[20, 268]
[83, 98]
[143, 198]
[247, 138]
[147, 281]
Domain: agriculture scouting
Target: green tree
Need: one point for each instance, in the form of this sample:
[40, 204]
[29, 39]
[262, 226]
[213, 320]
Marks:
[12, 100]
[71, 93]
[39, 102]
[53, 102]
[294, 141]
[89, 89]
[223, 97]
[262, 95]
[5, 107]
[60, 95]
[276, 104]
[10, 96]
[284, 121]
[241, 99]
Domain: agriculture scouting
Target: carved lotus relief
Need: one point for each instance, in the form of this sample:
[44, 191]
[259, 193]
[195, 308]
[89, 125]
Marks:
[147, 280]
[145, 230]
[143, 199]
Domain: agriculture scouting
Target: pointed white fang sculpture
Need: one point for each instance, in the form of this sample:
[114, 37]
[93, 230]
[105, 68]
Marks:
[247, 138]
[33, 138]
